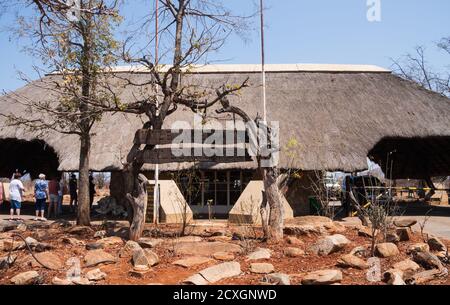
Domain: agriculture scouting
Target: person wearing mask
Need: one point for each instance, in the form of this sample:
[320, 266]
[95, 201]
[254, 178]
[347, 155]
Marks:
[16, 190]
[53, 189]
[41, 194]
[73, 187]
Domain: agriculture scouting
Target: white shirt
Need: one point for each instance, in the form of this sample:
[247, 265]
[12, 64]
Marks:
[15, 190]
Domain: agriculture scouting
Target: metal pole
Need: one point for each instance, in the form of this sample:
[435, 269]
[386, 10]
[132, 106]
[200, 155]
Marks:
[156, 189]
[263, 63]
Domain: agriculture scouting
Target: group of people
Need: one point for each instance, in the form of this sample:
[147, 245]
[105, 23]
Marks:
[46, 191]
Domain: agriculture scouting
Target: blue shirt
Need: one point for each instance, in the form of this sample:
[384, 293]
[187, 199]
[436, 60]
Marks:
[40, 189]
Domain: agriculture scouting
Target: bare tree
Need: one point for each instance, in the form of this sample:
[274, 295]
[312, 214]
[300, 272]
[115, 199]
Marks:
[78, 42]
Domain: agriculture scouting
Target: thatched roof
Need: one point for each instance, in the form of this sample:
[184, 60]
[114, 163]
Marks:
[336, 114]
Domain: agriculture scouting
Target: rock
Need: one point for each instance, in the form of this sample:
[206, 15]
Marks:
[146, 242]
[404, 234]
[189, 239]
[360, 251]
[220, 238]
[21, 227]
[224, 256]
[26, 278]
[386, 250]
[48, 259]
[260, 253]
[145, 257]
[351, 261]
[404, 223]
[393, 277]
[60, 223]
[95, 275]
[215, 273]
[293, 252]
[419, 247]
[7, 261]
[427, 260]
[426, 276]
[205, 248]
[96, 257]
[73, 241]
[60, 282]
[436, 244]
[307, 230]
[14, 246]
[31, 242]
[81, 281]
[322, 277]
[261, 268]
[100, 234]
[329, 244]
[2, 245]
[129, 248]
[294, 241]
[392, 238]
[406, 265]
[192, 261]
[94, 246]
[80, 230]
[366, 232]
[139, 271]
[41, 247]
[277, 279]
[111, 241]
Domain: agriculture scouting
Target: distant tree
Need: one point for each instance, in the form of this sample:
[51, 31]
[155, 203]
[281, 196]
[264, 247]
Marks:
[415, 67]
[76, 39]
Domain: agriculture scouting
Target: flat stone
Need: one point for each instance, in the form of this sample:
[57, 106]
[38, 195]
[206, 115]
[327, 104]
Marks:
[80, 230]
[94, 246]
[292, 240]
[427, 260]
[277, 279]
[82, 281]
[352, 261]
[49, 260]
[261, 268]
[145, 257]
[406, 265]
[436, 244]
[322, 277]
[146, 242]
[427, 275]
[205, 248]
[26, 278]
[404, 223]
[189, 239]
[366, 232]
[96, 257]
[386, 250]
[60, 282]
[293, 252]
[329, 244]
[196, 279]
[260, 253]
[129, 248]
[14, 246]
[73, 241]
[31, 242]
[419, 247]
[111, 241]
[224, 256]
[95, 275]
[218, 272]
[192, 261]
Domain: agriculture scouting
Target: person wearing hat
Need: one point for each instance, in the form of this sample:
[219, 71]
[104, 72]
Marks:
[41, 195]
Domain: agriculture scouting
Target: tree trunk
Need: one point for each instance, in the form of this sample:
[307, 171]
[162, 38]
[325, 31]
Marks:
[137, 199]
[275, 232]
[84, 218]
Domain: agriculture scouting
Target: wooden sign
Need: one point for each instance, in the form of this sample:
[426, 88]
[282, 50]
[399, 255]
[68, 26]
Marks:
[165, 155]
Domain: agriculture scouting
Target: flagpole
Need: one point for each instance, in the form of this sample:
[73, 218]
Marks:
[263, 62]
[156, 189]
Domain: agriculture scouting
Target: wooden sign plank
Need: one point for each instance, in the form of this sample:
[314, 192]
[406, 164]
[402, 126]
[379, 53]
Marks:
[165, 155]
[167, 136]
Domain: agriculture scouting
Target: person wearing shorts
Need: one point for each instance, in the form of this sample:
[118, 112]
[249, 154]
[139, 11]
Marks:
[16, 190]
[41, 194]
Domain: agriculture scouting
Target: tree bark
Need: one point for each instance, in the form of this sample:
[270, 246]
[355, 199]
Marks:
[275, 230]
[138, 201]
[84, 218]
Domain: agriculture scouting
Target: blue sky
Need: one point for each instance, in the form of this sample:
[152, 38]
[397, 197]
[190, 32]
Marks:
[304, 31]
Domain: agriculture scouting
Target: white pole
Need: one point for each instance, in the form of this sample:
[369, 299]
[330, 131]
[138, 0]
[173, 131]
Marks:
[156, 189]
[263, 63]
